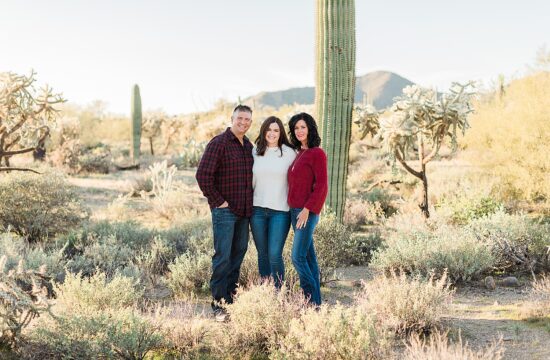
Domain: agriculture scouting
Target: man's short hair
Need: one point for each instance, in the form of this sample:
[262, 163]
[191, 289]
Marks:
[243, 108]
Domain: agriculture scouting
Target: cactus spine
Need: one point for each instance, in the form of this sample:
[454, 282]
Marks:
[136, 124]
[334, 91]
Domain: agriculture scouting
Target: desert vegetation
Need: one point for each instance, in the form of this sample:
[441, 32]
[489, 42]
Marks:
[100, 262]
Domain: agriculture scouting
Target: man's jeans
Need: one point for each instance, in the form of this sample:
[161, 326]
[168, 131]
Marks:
[304, 258]
[270, 229]
[230, 244]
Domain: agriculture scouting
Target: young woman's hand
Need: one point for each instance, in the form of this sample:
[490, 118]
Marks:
[302, 218]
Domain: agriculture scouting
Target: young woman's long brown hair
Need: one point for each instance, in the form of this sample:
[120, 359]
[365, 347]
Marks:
[261, 142]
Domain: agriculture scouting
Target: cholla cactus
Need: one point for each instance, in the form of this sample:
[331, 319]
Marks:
[192, 153]
[26, 116]
[419, 123]
[367, 117]
[22, 298]
[151, 128]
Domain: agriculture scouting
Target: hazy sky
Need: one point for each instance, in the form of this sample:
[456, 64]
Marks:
[187, 54]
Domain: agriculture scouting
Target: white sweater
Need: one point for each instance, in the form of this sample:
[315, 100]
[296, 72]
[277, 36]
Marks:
[269, 177]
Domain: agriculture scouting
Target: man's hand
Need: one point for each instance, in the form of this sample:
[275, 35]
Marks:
[224, 205]
[302, 218]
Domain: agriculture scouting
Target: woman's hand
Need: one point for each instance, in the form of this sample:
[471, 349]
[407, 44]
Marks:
[302, 218]
[224, 205]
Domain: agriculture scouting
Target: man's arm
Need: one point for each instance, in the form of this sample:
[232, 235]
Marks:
[205, 173]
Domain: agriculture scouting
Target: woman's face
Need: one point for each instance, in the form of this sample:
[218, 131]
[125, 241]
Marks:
[272, 135]
[301, 130]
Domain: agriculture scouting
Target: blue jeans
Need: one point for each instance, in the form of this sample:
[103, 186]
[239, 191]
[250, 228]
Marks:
[304, 258]
[270, 229]
[230, 245]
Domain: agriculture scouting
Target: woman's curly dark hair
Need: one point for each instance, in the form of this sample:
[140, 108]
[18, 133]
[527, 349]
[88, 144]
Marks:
[313, 139]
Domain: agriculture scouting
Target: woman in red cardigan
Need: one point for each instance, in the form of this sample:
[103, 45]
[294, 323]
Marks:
[307, 190]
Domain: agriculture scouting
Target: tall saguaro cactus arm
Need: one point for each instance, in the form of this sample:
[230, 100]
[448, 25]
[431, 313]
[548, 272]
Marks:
[136, 124]
[334, 91]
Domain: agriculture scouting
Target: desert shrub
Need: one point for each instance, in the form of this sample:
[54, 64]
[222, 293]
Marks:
[77, 158]
[107, 254]
[511, 137]
[438, 347]
[189, 273]
[537, 308]
[335, 246]
[129, 233]
[260, 318]
[78, 295]
[334, 333]
[518, 243]
[383, 198]
[185, 332]
[154, 261]
[35, 257]
[22, 298]
[421, 251]
[406, 304]
[123, 334]
[361, 212]
[38, 206]
[463, 209]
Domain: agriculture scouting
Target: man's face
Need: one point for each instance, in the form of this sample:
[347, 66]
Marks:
[241, 122]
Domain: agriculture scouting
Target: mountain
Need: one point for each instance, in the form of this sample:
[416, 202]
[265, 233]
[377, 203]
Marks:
[381, 87]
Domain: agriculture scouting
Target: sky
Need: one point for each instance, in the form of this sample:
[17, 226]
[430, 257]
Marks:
[187, 54]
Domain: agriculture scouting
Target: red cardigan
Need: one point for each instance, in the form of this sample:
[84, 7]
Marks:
[307, 180]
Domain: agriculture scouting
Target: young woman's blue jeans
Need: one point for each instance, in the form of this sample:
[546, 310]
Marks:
[304, 258]
[230, 244]
[269, 230]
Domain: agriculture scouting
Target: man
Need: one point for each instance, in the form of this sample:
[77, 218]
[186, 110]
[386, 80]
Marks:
[225, 178]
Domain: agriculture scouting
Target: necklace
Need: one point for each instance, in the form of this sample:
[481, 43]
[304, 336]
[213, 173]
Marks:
[298, 157]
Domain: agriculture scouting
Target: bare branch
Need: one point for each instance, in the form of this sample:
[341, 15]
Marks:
[406, 166]
[18, 169]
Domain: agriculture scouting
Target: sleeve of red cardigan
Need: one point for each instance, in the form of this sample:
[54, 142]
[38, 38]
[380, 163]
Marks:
[207, 169]
[317, 198]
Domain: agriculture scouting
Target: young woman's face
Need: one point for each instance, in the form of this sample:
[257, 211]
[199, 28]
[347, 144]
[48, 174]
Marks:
[300, 130]
[272, 135]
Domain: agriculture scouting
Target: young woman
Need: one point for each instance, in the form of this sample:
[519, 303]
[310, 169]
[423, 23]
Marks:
[307, 191]
[270, 221]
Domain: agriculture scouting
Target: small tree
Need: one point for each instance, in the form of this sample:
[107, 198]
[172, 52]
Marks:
[26, 116]
[419, 122]
[151, 128]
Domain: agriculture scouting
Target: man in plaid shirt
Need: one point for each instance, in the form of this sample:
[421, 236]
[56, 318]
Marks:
[225, 178]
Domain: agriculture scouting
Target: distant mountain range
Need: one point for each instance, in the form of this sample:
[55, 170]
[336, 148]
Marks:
[379, 86]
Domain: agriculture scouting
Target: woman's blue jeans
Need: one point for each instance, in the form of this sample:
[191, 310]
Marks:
[304, 258]
[269, 230]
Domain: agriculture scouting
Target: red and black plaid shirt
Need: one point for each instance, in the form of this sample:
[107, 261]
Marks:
[225, 173]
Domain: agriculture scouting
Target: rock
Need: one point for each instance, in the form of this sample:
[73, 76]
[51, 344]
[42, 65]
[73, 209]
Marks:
[357, 283]
[490, 283]
[509, 281]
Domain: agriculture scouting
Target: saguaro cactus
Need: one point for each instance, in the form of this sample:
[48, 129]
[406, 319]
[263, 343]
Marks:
[334, 91]
[136, 124]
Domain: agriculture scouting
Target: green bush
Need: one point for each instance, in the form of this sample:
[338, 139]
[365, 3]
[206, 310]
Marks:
[421, 251]
[38, 206]
[189, 273]
[463, 209]
[35, 257]
[335, 246]
[260, 317]
[334, 333]
[518, 243]
[79, 295]
[405, 305]
[123, 334]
